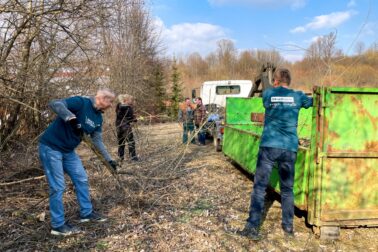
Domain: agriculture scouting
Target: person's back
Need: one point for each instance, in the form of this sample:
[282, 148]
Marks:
[282, 107]
[279, 146]
[59, 134]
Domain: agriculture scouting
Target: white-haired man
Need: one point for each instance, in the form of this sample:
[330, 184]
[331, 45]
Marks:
[75, 116]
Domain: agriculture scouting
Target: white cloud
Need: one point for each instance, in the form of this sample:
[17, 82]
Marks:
[295, 4]
[313, 39]
[351, 4]
[298, 29]
[190, 37]
[325, 21]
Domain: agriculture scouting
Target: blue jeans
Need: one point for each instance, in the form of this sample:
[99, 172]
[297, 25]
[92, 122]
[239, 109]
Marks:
[285, 159]
[188, 128]
[55, 163]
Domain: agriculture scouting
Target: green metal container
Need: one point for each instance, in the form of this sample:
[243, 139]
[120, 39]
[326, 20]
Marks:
[337, 164]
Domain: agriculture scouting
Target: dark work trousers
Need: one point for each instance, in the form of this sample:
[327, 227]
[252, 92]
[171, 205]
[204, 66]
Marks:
[126, 135]
[201, 134]
[266, 159]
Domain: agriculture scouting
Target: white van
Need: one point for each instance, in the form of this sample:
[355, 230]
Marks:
[214, 94]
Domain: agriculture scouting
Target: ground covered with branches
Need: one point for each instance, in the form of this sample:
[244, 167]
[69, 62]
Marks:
[177, 198]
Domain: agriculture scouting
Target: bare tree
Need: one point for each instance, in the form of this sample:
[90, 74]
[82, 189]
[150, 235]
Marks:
[320, 57]
[359, 48]
[226, 53]
[324, 49]
[42, 50]
[272, 56]
[247, 65]
[57, 48]
[197, 66]
[132, 50]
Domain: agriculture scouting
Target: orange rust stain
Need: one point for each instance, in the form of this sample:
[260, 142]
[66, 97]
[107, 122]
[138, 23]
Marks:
[333, 135]
[371, 146]
[257, 117]
[365, 112]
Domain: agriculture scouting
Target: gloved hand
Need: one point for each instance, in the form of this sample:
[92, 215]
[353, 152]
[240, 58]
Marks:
[113, 164]
[76, 126]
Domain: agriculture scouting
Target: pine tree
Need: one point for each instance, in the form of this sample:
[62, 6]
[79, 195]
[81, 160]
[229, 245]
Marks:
[176, 92]
[160, 89]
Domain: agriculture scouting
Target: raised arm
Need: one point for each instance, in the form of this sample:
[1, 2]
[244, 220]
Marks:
[61, 109]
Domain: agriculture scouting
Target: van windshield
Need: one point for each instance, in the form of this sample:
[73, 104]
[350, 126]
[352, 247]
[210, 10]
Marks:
[224, 90]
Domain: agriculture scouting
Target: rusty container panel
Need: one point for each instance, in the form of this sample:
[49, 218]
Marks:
[352, 120]
[349, 189]
[343, 185]
[257, 117]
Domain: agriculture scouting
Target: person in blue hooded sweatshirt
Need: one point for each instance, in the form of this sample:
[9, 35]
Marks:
[279, 145]
[76, 116]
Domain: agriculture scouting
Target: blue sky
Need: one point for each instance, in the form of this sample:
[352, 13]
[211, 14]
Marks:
[288, 26]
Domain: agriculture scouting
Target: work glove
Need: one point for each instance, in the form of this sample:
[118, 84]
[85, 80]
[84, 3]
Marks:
[76, 126]
[113, 164]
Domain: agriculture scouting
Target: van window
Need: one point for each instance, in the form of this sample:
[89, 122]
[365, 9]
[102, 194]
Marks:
[224, 90]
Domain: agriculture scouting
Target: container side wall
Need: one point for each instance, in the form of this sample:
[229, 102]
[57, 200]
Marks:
[238, 110]
[243, 147]
[349, 189]
[352, 123]
[349, 156]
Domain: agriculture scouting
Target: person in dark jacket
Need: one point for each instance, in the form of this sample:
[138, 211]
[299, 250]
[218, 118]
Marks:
[77, 115]
[124, 118]
[279, 145]
[199, 121]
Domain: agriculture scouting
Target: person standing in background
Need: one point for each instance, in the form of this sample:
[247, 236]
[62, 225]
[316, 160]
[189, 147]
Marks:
[199, 121]
[186, 116]
[124, 118]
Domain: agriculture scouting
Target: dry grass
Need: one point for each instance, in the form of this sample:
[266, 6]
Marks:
[177, 198]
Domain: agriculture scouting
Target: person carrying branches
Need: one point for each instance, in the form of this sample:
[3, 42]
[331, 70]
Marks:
[76, 116]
